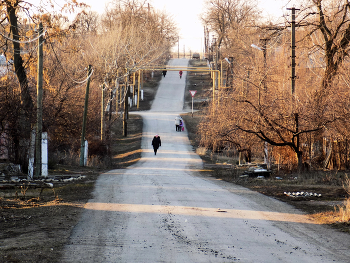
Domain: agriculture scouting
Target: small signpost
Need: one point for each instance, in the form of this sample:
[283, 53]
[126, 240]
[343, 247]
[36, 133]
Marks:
[193, 92]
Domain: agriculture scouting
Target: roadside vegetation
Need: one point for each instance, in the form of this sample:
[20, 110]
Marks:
[117, 45]
[289, 99]
[301, 123]
[36, 218]
[281, 103]
[330, 206]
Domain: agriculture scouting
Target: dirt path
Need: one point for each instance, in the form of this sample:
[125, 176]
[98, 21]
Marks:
[161, 210]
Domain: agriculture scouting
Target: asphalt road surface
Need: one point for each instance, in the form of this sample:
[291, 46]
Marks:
[162, 210]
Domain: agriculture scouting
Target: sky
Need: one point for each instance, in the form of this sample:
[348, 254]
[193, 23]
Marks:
[185, 14]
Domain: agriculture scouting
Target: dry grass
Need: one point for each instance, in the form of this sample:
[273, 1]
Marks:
[342, 212]
[333, 185]
[326, 218]
[340, 216]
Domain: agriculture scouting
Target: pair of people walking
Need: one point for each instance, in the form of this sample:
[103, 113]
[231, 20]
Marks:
[179, 124]
[156, 142]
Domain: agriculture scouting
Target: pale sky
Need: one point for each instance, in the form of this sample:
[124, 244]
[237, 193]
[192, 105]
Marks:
[186, 15]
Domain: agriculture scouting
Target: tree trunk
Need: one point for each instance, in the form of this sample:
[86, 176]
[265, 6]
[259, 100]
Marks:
[346, 155]
[24, 121]
[300, 160]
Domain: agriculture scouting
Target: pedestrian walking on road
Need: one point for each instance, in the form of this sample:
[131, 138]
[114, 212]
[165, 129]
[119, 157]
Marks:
[156, 143]
[180, 74]
[181, 126]
[177, 123]
[164, 73]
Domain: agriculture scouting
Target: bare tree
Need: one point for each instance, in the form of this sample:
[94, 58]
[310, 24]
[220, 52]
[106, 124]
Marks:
[275, 115]
[333, 25]
[132, 36]
[18, 19]
[86, 22]
[223, 17]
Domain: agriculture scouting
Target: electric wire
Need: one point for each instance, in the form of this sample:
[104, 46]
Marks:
[59, 62]
[118, 88]
[23, 41]
[313, 57]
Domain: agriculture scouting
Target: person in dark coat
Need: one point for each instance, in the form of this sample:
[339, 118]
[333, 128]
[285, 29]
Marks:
[156, 143]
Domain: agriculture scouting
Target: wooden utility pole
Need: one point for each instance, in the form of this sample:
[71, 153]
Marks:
[39, 113]
[126, 102]
[264, 49]
[133, 88]
[293, 77]
[139, 88]
[266, 149]
[205, 44]
[216, 64]
[102, 111]
[82, 141]
[125, 116]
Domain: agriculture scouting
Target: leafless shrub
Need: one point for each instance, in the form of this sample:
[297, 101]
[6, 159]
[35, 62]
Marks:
[343, 211]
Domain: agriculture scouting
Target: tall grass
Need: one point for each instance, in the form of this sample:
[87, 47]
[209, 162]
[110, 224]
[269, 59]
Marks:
[343, 211]
[72, 158]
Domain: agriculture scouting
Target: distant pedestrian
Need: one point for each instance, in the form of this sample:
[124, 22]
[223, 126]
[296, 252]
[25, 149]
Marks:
[181, 126]
[178, 120]
[164, 73]
[156, 143]
[180, 74]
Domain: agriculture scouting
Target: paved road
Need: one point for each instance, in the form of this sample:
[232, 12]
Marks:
[161, 210]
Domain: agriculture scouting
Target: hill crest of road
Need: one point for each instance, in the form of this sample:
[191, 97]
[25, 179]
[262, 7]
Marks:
[161, 210]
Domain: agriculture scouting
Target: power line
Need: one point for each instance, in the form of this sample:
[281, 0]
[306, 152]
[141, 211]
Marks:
[23, 41]
[59, 62]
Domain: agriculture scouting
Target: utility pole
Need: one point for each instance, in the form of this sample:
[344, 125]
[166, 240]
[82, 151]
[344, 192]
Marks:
[216, 64]
[39, 113]
[178, 47]
[216, 54]
[296, 117]
[205, 44]
[102, 111]
[126, 113]
[138, 89]
[264, 48]
[265, 61]
[82, 141]
[293, 77]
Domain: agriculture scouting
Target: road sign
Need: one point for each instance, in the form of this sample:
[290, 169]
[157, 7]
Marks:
[193, 92]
